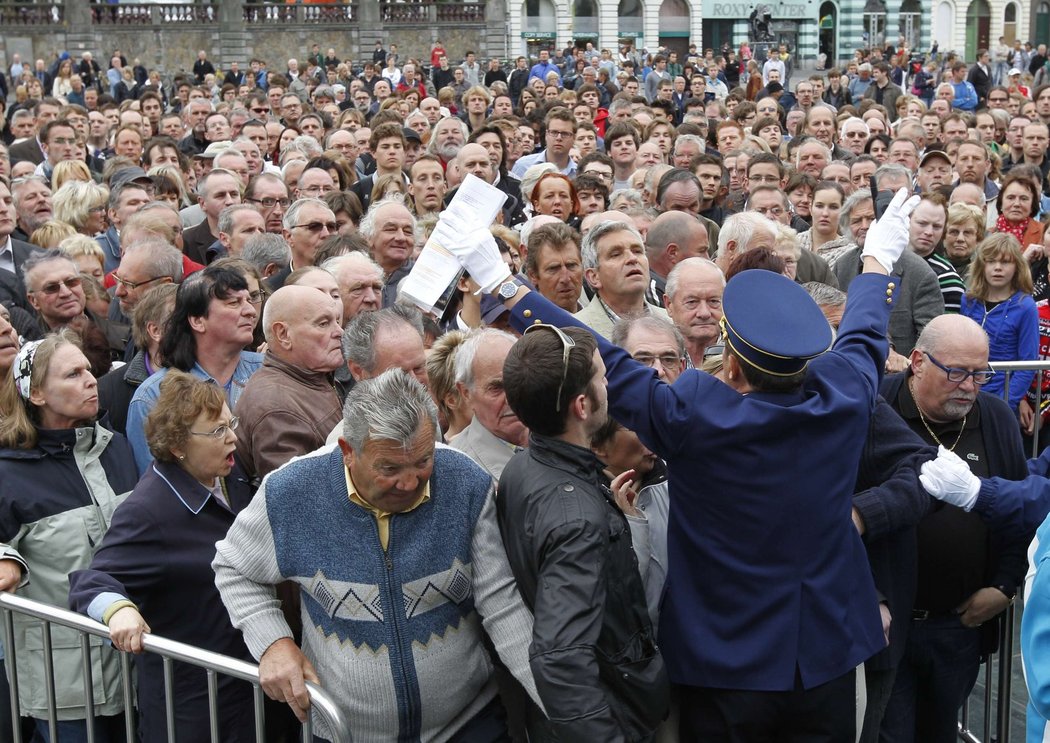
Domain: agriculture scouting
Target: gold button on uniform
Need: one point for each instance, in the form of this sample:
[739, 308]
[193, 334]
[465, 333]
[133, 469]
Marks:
[537, 321]
[891, 285]
[889, 300]
[527, 313]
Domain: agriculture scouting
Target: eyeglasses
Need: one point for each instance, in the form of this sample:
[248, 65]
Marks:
[558, 135]
[667, 360]
[958, 376]
[132, 285]
[54, 287]
[769, 211]
[270, 203]
[97, 209]
[318, 226]
[221, 431]
[62, 141]
[255, 297]
[567, 344]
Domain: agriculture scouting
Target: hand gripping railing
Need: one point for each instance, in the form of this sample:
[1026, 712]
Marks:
[1002, 677]
[170, 650]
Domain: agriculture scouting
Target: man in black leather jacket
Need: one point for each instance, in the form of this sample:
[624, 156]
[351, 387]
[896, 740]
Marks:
[593, 652]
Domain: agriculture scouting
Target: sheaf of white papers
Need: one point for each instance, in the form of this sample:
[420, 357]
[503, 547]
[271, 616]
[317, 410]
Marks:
[476, 204]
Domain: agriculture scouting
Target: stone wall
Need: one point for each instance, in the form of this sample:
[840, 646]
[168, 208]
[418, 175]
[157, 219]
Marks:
[174, 47]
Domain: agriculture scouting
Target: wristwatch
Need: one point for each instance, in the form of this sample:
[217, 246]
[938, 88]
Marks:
[507, 290]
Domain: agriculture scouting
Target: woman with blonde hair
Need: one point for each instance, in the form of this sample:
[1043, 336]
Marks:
[454, 410]
[50, 234]
[82, 206]
[387, 185]
[1000, 301]
[173, 178]
[69, 170]
[62, 86]
[50, 442]
[966, 228]
[86, 253]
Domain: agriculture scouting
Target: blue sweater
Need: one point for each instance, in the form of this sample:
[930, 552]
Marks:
[1013, 335]
[394, 635]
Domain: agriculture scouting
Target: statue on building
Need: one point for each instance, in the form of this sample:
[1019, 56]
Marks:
[760, 21]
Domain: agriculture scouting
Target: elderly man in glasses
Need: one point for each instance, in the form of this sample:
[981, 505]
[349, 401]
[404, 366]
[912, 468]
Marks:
[306, 224]
[966, 575]
[53, 286]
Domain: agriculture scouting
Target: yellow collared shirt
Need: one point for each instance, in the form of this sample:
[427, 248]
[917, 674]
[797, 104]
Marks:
[382, 517]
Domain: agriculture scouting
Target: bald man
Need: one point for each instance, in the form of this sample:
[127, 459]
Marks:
[674, 236]
[289, 405]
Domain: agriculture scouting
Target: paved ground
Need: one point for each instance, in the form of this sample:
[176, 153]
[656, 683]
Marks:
[1018, 698]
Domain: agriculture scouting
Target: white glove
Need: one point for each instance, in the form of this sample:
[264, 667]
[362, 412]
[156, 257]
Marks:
[887, 238]
[949, 479]
[479, 256]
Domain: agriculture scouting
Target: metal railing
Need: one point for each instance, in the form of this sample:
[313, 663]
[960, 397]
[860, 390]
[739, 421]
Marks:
[170, 651]
[304, 13]
[998, 671]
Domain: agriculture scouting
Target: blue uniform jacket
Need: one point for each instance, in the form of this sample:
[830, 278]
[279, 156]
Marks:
[767, 580]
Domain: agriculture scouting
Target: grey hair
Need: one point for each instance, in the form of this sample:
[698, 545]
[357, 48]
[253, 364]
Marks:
[825, 295]
[367, 228]
[359, 337]
[532, 176]
[291, 217]
[226, 215]
[811, 142]
[205, 182]
[468, 350]
[686, 138]
[391, 407]
[230, 151]
[854, 121]
[891, 169]
[622, 330]
[265, 249]
[589, 247]
[306, 145]
[37, 260]
[336, 263]
[432, 146]
[163, 258]
[855, 198]
[740, 228]
[671, 287]
[630, 196]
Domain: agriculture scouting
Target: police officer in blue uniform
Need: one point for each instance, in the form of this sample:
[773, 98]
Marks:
[769, 603]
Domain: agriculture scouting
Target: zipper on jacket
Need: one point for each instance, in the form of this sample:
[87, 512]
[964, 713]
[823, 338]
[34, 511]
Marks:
[396, 602]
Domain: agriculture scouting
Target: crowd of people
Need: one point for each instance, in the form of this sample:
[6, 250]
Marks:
[695, 448]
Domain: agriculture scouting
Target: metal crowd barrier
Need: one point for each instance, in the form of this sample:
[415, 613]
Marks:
[998, 670]
[170, 651]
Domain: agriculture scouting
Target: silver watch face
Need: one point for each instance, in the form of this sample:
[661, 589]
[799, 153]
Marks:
[508, 290]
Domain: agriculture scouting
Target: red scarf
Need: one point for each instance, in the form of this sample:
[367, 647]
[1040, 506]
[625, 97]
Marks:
[1017, 230]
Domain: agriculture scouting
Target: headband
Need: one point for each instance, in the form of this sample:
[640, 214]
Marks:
[23, 367]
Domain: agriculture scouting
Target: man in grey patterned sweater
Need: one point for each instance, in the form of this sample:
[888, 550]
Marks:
[400, 564]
